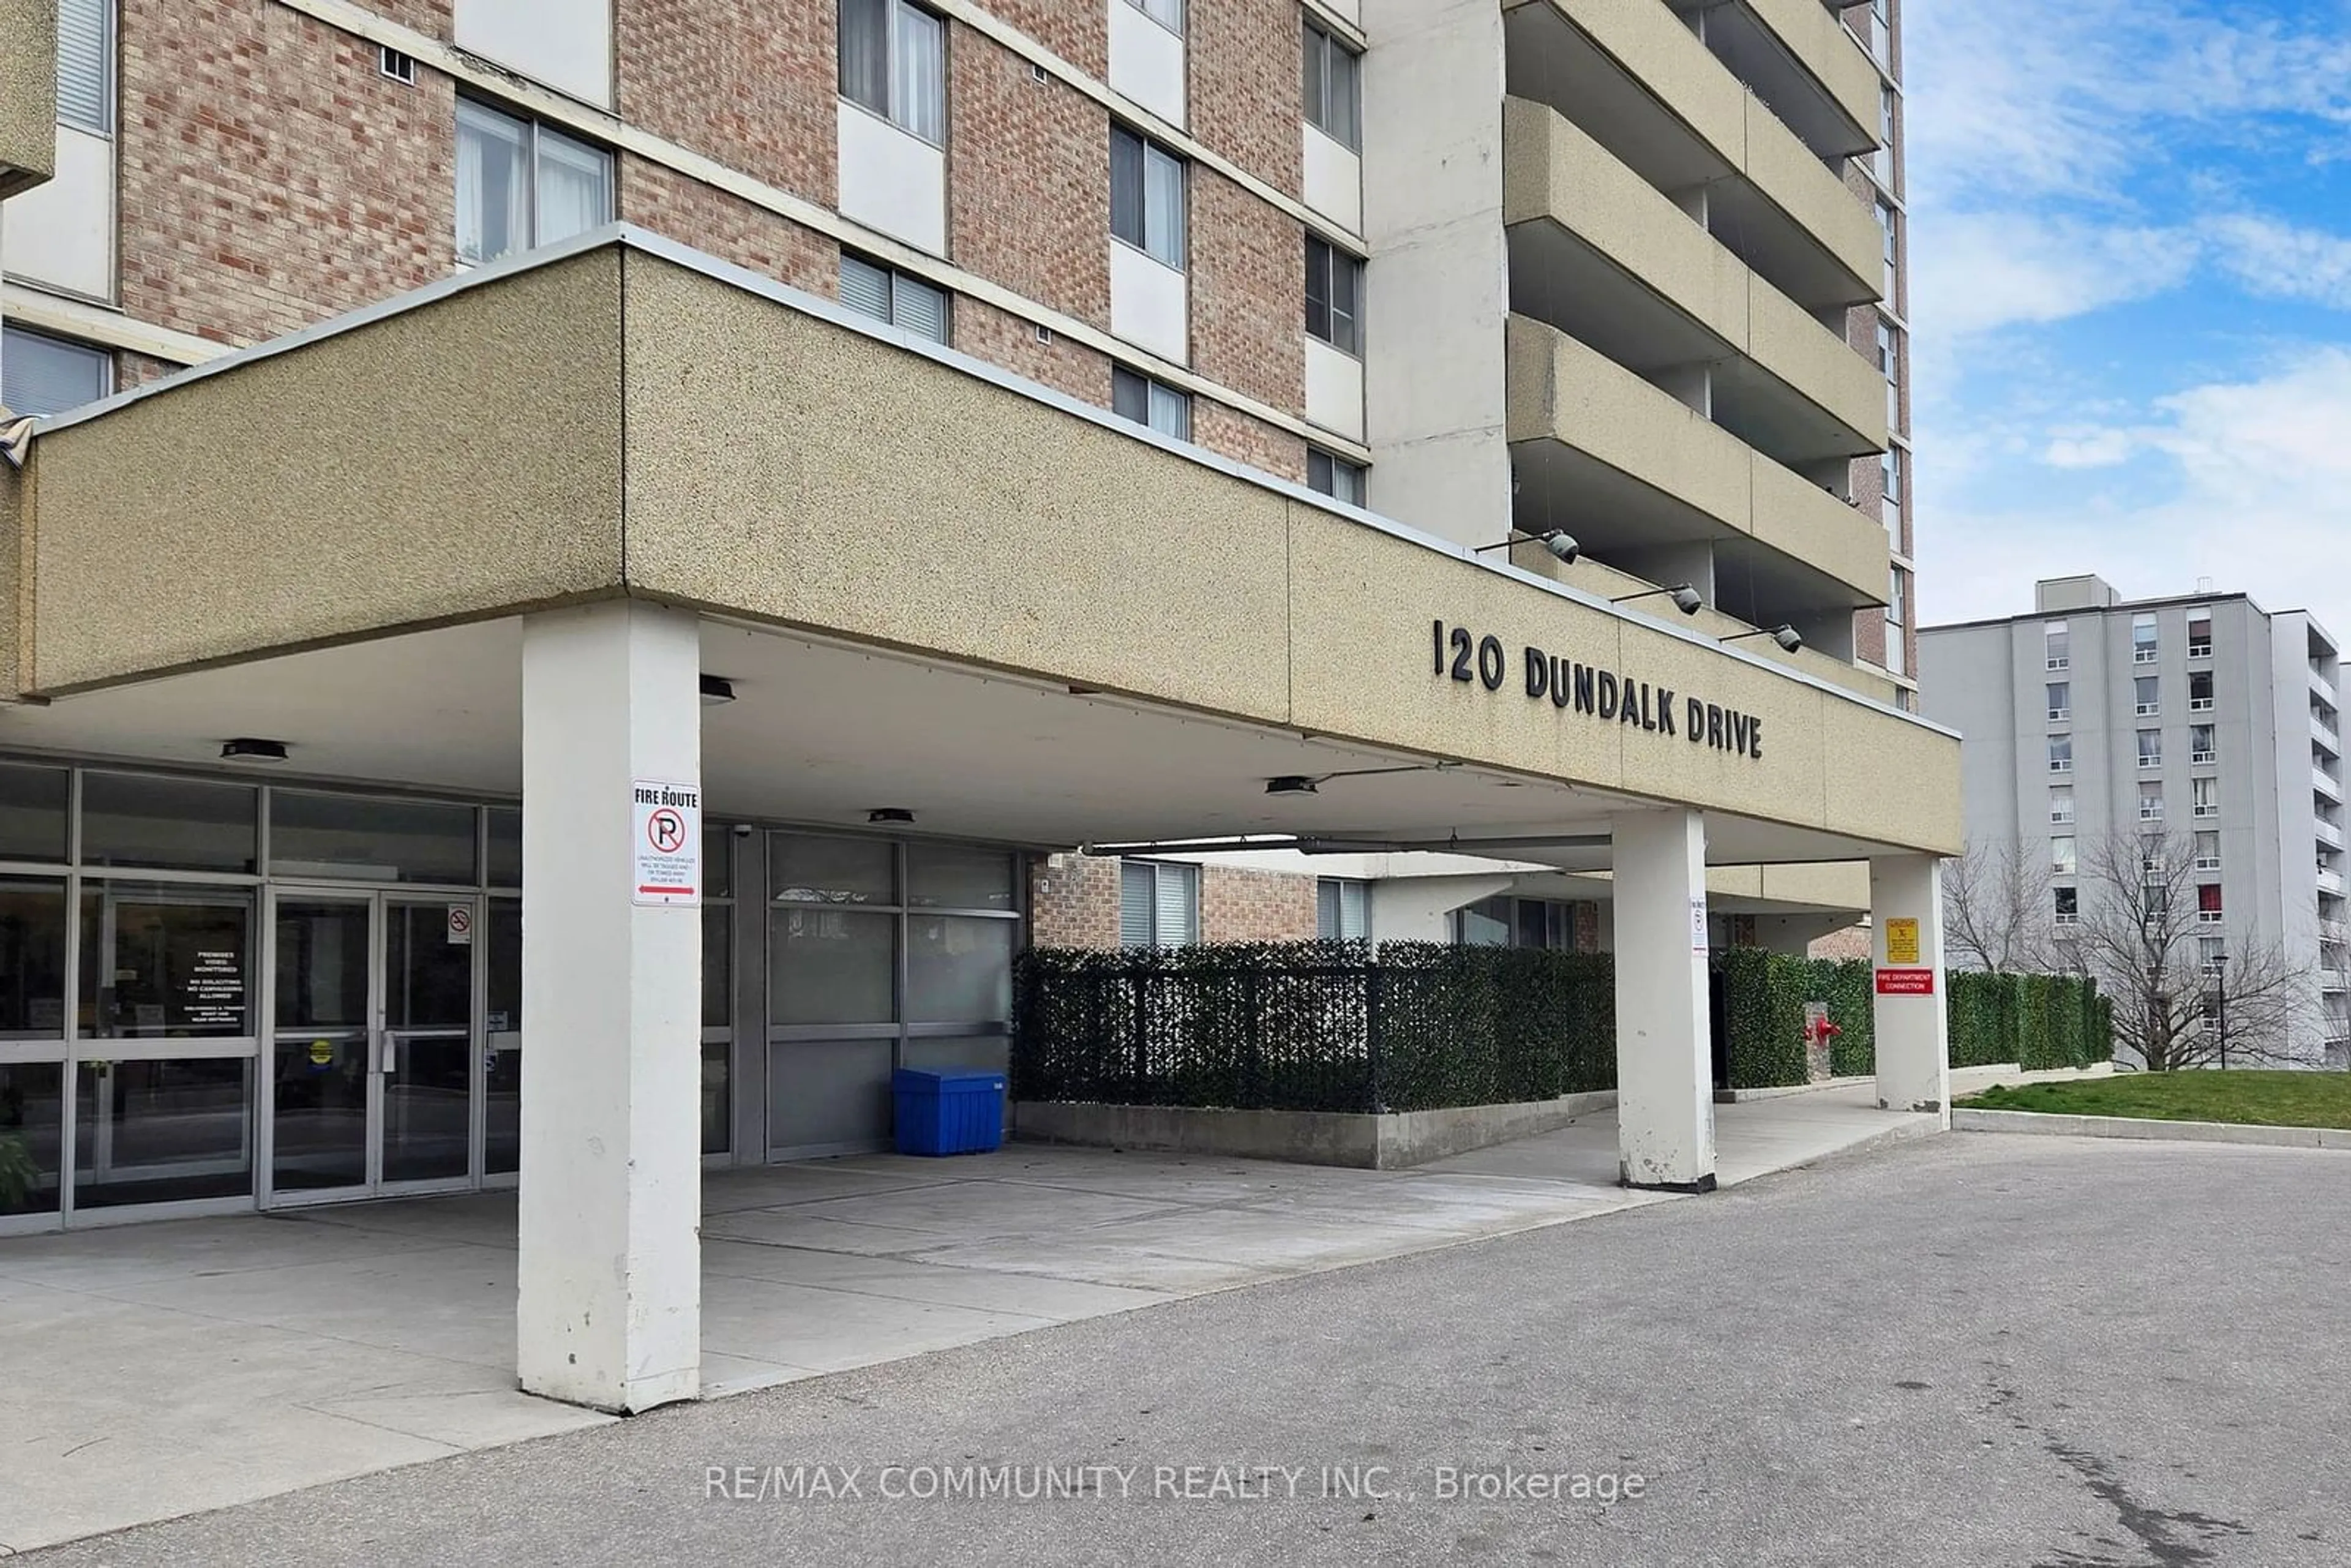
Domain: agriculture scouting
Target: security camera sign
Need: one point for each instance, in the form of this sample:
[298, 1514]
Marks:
[668, 842]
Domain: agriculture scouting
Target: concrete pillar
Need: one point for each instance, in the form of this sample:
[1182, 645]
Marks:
[1665, 1058]
[1914, 1055]
[609, 1299]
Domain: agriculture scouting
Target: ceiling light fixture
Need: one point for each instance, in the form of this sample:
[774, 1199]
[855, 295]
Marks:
[717, 689]
[1788, 637]
[1685, 598]
[1559, 541]
[244, 748]
[890, 814]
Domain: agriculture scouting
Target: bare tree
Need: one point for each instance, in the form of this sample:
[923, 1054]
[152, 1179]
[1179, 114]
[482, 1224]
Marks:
[1996, 908]
[2138, 934]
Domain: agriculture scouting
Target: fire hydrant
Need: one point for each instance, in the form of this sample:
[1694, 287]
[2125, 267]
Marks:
[1818, 1054]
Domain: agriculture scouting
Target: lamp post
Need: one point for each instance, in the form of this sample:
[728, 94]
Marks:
[2220, 985]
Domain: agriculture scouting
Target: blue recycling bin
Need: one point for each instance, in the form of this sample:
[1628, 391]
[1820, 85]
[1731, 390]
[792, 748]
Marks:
[948, 1112]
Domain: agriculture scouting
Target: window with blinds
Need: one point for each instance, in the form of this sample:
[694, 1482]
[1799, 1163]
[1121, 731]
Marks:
[888, 295]
[1341, 909]
[85, 50]
[49, 375]
[1158, 905]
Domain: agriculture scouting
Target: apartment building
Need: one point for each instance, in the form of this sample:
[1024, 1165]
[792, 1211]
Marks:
[564, 540]
[2202, 715]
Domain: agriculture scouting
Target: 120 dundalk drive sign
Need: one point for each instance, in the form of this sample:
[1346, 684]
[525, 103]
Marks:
[1605, 696]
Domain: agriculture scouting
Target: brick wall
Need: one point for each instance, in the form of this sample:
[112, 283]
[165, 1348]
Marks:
[1073, 901]
[1247, 292]
[752, 83]
[1240, 906]
[1077, 30]
[1252, 441]
[1029, 181]
[1003, 338]
[1242, 70]
[271, 175]
[727, 226]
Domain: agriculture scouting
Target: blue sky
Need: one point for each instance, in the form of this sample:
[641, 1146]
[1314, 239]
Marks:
[2131, 299]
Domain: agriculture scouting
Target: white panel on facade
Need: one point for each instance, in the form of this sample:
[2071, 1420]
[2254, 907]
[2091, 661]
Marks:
[1352, 10]
[564, 44]
[61, 234]
[1334, 390]
[892, 180]
[1146, 62]
[1148, 303]
[1334, 180]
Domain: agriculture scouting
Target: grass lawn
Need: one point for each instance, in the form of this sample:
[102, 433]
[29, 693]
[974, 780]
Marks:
[2257, 1099]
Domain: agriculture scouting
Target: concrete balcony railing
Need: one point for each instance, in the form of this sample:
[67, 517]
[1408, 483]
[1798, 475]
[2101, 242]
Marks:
[1556, 174]
[2326, 785]
[1632, 69]
[2324, 736]
[2328, 833]
[28, 94]
[2330, 882]
[1801, 60]
[1652, 468]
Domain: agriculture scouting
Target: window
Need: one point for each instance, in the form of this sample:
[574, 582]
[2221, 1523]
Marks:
[1889, 467]
[2060, 803]
[1886, 228]
[2061, 754]
[85, 64]
[1897, 615]
[2150, 748]
[2207, 903]
[2212, 953]
[1146, 402]
[2199, 634]
[2060, 642]
[2204, 796]
[1334, 297]
[1343, 909]
[1334, 94]
[1335, 476]
[1168, 14]
[893, 62]
[2060, 699]
[2068, 906]
[2200, 687]
[521, 184]
[2061, 856]
[2201, 744]
[49, 375]
[1882, 164]
[2150, 802]
[1147, 196]
[1158, 904]
[888, 295]
[2147, 691]
[2207, 851]
[2143, 639]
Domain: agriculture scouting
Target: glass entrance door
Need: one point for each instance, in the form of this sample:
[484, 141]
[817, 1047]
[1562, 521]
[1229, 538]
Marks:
[372, 1060]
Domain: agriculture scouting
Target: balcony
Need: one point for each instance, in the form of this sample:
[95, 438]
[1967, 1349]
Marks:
[1800, 60]
[2326, 786]
[28, 94]
[1642, 84]
[2322, 686]
[2328, 833]
[2330, 883]
[1597, 252]
[1638, 475]
[2323, 736]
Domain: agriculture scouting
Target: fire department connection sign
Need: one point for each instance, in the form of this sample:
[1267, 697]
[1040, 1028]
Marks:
[667, 846]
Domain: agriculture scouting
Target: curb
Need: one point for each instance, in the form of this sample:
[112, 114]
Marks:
[2060, 1125]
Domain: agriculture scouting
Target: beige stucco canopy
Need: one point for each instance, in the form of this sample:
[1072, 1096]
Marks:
[365, 504]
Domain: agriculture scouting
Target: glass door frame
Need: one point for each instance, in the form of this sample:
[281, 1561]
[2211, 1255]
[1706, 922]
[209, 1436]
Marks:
[377, 901]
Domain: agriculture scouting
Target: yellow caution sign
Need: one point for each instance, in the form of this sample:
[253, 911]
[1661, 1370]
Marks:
[322, 1052]
[1901, 942]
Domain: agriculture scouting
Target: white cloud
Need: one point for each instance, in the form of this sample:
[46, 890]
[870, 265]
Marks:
[1975, 272]
[2285, 261]
[2089, 449]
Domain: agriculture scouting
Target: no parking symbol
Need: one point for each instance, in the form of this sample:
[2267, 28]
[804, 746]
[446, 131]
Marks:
[666, 842]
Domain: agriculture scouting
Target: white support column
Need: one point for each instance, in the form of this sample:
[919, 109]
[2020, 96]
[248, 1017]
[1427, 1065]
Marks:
[1914, 1055]
[1664, 1055]
[610, 1297]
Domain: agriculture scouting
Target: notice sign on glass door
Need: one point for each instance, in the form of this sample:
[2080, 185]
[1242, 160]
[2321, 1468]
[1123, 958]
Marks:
[666, 859]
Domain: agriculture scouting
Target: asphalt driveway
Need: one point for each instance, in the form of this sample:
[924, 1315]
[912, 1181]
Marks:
[1968, 1350]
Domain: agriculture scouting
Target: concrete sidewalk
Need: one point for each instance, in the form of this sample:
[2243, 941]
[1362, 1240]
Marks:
[159, 1369]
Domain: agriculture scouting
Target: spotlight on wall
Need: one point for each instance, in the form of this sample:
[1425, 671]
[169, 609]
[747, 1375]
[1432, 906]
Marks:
[1685, 598]
[889, 814]
[246, 749]
[1293, 784]
[717, 689]
[1559, 541]
[1788, 637]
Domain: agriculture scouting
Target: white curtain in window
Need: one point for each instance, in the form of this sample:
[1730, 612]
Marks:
[1171, 412]
[1179, 905]
[865, 53]
[493, 184]
[1162, 207]
[575, 188]
[918, 94]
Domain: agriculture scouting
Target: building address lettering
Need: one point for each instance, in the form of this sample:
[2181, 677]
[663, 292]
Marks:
[1608, 696]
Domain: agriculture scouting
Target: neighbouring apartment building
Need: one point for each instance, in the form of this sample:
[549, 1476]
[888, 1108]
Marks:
[2203, 715]
[946, 476]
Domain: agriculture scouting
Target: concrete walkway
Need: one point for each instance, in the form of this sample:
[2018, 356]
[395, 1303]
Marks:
[156, 1370]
